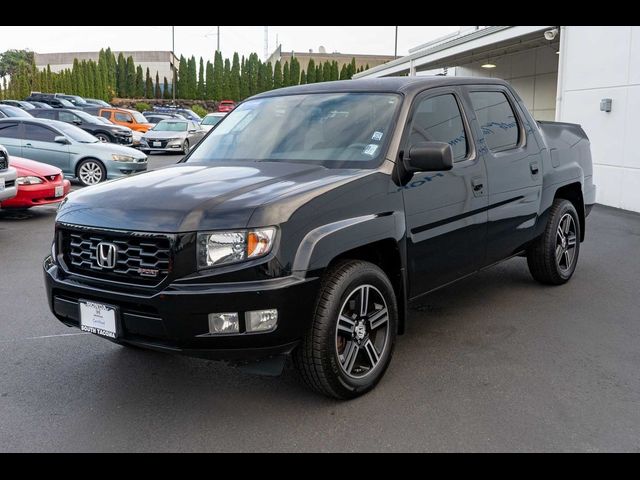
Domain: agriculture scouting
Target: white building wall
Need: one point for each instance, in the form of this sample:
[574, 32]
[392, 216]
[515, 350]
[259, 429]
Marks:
[604, 62]
[533, 73]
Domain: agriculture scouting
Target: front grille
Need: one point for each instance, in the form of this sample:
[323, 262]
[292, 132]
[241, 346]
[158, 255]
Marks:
[3, 163]
[153, 143]
[141, 258]
[9, 183]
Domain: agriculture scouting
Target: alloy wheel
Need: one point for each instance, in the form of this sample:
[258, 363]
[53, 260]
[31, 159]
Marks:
[90, 173]
[566, 238]
[362, 331]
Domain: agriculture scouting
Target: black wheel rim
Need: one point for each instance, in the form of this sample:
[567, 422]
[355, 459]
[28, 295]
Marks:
[362, 331]
[566, 243]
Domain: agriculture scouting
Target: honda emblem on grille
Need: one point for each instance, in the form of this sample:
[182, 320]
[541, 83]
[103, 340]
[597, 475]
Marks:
[106, 255]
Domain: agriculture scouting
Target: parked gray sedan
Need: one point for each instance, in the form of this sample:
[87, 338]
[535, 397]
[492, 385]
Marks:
[171, 136]
[76, 152]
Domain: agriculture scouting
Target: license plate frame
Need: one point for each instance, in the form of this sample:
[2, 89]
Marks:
[58, 191]
[99, 319]
[157, 144]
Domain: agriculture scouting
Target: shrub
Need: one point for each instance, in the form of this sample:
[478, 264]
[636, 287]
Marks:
[142, 106]
[199, 110]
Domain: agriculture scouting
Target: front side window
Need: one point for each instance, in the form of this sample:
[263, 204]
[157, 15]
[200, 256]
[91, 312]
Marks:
[38, 133]
[122, 117]
[336, 130]
[67, 117]
[497, 120]
[438, 119]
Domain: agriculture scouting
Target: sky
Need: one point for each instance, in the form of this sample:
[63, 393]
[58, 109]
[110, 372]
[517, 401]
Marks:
[201, 40]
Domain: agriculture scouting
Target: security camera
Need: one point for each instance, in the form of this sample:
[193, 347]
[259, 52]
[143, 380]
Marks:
[551, 34]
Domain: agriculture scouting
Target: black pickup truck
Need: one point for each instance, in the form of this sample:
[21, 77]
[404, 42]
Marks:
[308, 218]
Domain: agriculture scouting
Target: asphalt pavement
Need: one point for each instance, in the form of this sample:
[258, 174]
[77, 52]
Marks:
[493, 363]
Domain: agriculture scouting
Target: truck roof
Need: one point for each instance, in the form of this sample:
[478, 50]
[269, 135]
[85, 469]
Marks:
[386, 84]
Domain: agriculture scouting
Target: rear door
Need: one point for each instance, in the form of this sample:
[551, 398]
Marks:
[10, 137]
[514, 169]
[445, 211]
[38, 144]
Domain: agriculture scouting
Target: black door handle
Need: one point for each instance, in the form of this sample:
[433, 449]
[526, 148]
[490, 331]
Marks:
[534, 168]
[477, 185]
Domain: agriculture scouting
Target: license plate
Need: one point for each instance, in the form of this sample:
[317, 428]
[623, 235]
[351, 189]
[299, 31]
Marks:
[59, 191]
[1, 184]
[98, 319]
[157, 144]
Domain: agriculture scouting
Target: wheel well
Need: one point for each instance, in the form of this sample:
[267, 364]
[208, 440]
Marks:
[573, 193]
[386, 255]
[106, 134]
[89, 158]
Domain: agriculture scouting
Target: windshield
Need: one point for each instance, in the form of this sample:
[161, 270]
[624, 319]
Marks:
[336, 130]
[87, 118]
[139, 117]
[211, 119]
[170, 126]
[10, 111]
[65, 103]
[75, 133]
[78, 100]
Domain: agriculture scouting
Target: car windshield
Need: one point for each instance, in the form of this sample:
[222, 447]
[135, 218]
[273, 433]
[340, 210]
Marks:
[211, 119]
[336, 130]
[170, 126]
[75, 133]
[10, 111]
[139, 117]
[87, 117]
[65, 103]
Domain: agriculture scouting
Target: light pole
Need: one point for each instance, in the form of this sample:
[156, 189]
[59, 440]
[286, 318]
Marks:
[173, 61]
[395, 49]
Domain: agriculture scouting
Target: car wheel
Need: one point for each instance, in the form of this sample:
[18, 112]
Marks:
[553, 257]
[103, 137]
[350, 341]
[91, 172]
[185, 147]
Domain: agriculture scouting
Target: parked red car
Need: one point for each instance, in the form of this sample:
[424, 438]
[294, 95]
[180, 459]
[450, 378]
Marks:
[226, 105]
[38, 184]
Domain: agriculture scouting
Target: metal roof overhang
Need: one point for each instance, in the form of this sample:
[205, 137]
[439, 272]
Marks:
[496, 40]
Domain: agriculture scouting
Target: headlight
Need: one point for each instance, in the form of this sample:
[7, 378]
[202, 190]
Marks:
[122, 158]
[29, 180]
[221, 248]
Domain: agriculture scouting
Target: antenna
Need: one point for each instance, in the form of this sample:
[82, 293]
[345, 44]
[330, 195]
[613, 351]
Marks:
[266, 43]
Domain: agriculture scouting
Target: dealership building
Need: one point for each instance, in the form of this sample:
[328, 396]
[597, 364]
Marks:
[586, 74]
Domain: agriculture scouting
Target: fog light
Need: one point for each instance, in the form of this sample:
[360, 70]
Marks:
[261, 320]
[221, 323]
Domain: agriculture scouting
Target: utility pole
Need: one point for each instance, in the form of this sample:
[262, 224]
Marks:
[173, 62]
[218, 38]
[266, 43]
[395, 49]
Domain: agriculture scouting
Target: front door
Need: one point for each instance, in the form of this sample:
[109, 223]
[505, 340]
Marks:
[38, 144]
[514, 169]
[445, 211]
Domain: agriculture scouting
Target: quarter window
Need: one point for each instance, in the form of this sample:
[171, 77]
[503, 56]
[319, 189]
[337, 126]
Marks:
[497, 120]
[438, 119]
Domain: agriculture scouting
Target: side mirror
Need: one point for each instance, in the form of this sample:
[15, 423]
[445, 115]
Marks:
[192, 131]
[61, 139]
[130, 121]
[428, 157]
[77, 122]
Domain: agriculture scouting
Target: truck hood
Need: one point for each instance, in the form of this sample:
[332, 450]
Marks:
[197, 197]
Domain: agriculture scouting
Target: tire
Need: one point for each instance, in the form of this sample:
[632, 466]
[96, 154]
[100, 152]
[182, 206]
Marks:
[185, 147]
[91, 172]
[103, 137]
[551, 259]
[335, 356]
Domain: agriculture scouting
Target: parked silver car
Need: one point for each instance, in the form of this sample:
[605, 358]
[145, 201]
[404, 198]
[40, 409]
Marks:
[172, 136]
[7, 176]
[76, 152]
[211, 120]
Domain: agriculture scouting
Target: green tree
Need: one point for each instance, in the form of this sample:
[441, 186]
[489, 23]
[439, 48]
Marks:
[303, 77]
[121, 79]
[200, 94]
[268, 77]
[12, 60]
[192, 85]
[235, 78]
[311, 71]
[335, 72]
[254, 67]
[353, 68]
[140, 85]
[226, 79]
[218, 74]
[244, 78]
[295, 71]
[277, 75]
[166, 92]
[181, 88]
[286, 75]
[157, 93]
[130, 87]
[319, 76]
[209, 82]
[326, 71]
[148, 85]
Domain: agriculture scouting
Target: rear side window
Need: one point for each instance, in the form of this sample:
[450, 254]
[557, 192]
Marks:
[38, 133]
[497, 120]
[9, 130]
[50, 114]
[438, 119]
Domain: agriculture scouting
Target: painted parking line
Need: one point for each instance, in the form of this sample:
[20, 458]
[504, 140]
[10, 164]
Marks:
[46, 336]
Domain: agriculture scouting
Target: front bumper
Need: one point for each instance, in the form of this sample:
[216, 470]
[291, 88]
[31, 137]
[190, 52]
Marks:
[175, 319]
[41, 194]
[123, 169]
